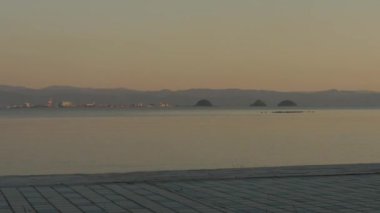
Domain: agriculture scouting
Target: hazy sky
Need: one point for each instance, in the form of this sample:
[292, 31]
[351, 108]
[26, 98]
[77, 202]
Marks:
[179, 44]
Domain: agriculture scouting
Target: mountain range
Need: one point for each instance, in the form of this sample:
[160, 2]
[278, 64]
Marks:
[10, 95]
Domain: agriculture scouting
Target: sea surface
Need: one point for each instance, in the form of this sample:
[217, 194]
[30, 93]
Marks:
[101, 141]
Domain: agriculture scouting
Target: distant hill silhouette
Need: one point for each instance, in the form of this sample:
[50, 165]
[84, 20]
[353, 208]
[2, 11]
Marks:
[203, 103]
[287, 103]
[220, 97]
[259, 103]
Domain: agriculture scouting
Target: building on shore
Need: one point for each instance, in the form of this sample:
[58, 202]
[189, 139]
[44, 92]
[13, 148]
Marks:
[50, 103]
[164, 105]
[66, 104]
[27, 105]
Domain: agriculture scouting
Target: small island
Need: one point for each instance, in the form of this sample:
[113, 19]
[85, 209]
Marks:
[203, 103]
[287, 103]
[259, 103]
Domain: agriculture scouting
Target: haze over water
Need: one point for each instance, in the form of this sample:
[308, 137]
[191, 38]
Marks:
[98, 141]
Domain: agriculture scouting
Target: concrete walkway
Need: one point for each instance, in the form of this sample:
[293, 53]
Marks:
[338, 188]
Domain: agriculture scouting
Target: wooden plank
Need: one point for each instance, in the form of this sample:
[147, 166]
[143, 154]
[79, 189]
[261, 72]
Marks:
[200, 207]
[155, 207]
[17, 201]
[104, 203]
[57, 200]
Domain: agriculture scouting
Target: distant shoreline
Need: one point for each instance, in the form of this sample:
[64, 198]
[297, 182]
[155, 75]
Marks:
[124, 98]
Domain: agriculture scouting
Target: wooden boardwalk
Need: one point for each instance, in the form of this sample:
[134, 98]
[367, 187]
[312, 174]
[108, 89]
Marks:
[344, 188]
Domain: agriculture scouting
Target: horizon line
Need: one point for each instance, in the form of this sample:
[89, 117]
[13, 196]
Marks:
[187, 89]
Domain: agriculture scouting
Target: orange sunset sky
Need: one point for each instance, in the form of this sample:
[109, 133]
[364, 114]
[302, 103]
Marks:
[170, 44]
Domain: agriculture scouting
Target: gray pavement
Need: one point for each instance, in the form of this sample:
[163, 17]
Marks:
[344, 191]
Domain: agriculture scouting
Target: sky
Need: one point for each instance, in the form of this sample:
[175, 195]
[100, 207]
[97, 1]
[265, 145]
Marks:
[287, 45]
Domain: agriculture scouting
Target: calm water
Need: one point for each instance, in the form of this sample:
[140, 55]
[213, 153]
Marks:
[75, 141]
